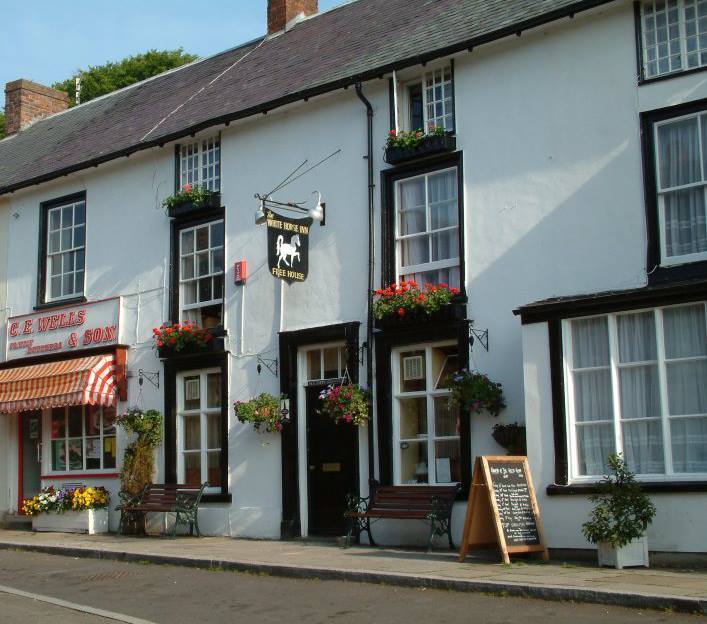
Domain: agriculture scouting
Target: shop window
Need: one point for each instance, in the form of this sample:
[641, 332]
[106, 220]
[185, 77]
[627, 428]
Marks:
[426, 448]
[65, 250]
[673, 36]
[200, 164]
[637, 384]
[326, 363]
[427, 236]
[200, 428]
[201, 273]
[83, 438]
[429, 101]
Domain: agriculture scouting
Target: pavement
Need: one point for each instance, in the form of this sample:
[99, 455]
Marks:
[672, 589]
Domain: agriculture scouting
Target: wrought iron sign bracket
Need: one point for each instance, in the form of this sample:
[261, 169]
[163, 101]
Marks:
[271, 365]
[153, 378]
[482, 335]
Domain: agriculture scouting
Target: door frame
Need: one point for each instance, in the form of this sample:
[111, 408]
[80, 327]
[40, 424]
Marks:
[295, 504]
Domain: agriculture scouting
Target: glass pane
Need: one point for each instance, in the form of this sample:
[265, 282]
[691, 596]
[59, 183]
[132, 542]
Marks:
[78, 282]
[67, 285]
[58, 455]
[445, 245]
[80, 213]
[189, 293]
[414, 251]
[331, 363]
[66, 239]
[214, 468]
[75, 454]
[202, 238]
[448, 461]
[679, 153]
[595, 443]
[636, 337]
[640, 392]
[55, 290]
[213, 431]
[687, 387]
[685, 333]
[54, 242]
[79, 256]
[689, 443]
[411, 209]
[413, 418]
[446, 420]
[55, 265]
[67, 216]
[58, 422]
[442, 192]
[217, 234]
[643, 446]
[108, 420]
[187, 268]
[192, 432]
[187, 242]
[75, 417]
[93, 421]
[79, 236]
[444, 363]
[205, 289]
[217, 261]
[202, 263]
[192, 468]
[685, 222]
[54, 219]
[314, 364]
[94, 452]
[218, 287]
[109, 452]
[213, 390]
[192, 393]
[592, 395]
[590, 342]
[413, 463]
[413, 375]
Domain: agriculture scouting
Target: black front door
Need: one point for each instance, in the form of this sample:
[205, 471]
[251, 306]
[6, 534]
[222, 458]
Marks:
[332, 464]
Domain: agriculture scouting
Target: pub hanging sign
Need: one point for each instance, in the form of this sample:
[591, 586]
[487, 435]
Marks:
[288, 247]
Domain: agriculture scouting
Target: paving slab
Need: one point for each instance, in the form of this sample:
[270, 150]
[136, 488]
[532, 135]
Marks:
[682, 590]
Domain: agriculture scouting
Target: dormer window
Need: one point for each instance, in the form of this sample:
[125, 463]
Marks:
[429, 101]
[200, 163]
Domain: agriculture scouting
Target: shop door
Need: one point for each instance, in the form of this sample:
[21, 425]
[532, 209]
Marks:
[30, 453]
[332, 461]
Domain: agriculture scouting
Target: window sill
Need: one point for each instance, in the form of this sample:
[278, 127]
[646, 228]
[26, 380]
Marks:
[651, 487]
[60, 303]
[687, 72]
[82, 475]
[217, 498]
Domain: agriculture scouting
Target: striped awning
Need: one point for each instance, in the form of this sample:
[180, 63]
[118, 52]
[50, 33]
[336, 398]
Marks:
[81, 381]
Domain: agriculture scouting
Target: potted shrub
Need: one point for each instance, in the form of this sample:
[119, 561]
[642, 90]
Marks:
[407, 304]
[620, 518]
[81, 510]
[403, 146]
[264, 412]
[511, 437]
[345, 404]
[475, 392]
[184, 339]
[189, 199]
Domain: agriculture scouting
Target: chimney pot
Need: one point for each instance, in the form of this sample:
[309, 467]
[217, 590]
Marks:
[282, 12]
[27, 101]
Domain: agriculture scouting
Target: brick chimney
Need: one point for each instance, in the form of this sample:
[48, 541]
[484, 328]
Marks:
[282, 12]
[27, 101]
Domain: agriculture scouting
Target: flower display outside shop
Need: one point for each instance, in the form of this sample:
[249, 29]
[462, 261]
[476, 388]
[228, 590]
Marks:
[399, 300]
[52, 500]
[197, 195]
[345, 404]
[139, 459]
[263, 412]
[475, 392]
[412, 138]
[180, 335]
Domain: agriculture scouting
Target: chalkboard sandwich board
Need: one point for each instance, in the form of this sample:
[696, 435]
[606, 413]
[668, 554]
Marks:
[502, 510]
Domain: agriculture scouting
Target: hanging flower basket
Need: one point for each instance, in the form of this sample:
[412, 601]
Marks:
[345, 404]
[263, 412]
[475, 392]
[190, 199]
[511, 437]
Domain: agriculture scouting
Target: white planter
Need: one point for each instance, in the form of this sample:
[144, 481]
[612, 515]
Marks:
[634, 553]
[91, 521]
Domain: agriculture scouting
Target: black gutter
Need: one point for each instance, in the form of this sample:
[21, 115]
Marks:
[379, 72]
[371, 267]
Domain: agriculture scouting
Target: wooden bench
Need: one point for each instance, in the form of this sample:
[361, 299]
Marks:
[181, 500]
[403, 502]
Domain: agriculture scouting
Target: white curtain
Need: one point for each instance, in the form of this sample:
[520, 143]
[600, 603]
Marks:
[413, 220]
[686, 351]
[685, 221]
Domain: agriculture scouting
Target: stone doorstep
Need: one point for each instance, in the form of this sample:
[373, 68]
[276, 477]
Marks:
[503, 580]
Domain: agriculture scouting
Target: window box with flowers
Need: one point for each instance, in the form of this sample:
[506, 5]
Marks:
[406, 304]
[190, 199]
[403, 146]
[181, 339]
[81, 510]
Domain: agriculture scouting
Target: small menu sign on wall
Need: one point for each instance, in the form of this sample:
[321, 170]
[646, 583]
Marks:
[502, 509]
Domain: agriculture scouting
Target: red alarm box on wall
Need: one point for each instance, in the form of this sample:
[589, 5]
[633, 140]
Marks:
[240, 272]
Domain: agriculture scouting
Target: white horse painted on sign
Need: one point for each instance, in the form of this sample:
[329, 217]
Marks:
[287, 250]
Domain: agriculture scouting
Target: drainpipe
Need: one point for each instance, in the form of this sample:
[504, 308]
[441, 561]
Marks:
[371, 264]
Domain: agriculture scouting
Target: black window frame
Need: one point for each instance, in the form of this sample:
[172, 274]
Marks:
[656, 273]
[44, 208]
[389, 178]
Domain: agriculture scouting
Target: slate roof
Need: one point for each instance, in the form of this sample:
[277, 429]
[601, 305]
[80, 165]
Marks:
[357, 41]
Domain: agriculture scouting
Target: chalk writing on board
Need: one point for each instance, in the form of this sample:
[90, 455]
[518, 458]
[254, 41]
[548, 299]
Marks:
[514, 502]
